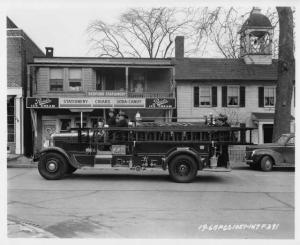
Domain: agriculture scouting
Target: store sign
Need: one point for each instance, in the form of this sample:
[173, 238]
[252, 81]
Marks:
[160, 103]
[95, 102]
[129, 103]
[42, 103]
[107, 93]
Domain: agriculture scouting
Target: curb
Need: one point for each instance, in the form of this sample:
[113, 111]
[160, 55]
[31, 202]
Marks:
[13, 158]
[22, 165]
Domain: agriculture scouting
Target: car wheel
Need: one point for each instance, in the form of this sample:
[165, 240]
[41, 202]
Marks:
[266, 163]
[52, 166]
[183, 169]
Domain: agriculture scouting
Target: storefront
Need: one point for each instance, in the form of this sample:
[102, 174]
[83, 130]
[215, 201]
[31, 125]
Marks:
[51, 115]
[14, 120]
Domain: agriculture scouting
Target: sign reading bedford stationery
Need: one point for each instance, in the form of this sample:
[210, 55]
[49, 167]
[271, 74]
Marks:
[42, 102]
[98, 102]
[160, 103]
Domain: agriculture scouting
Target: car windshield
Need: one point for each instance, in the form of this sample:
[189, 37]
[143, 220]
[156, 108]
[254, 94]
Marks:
[282, 139]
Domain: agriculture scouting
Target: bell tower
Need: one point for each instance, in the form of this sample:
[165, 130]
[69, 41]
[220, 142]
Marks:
[256, 37]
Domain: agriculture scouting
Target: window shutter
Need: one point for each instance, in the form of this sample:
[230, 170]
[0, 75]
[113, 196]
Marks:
[214, 96]
[224, 96]
[260, 96]
[242, 97]
[196, 96]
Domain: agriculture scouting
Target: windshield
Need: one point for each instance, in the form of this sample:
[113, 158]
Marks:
[282, 139]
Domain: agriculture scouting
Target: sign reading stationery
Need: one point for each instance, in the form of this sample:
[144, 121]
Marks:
[42, 103]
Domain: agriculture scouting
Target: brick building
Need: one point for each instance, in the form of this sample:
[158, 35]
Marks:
[79, 91]
[20, 51]
[243, 89]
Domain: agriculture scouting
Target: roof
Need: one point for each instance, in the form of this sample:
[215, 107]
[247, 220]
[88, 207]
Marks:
[257, 20]
[102, 60]
[223, 69]
[265, 115]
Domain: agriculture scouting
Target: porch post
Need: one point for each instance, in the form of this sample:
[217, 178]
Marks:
[126, 77]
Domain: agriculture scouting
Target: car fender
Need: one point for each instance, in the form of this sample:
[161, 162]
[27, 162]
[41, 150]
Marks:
[183, 150]
[61, 151]
[259, 153]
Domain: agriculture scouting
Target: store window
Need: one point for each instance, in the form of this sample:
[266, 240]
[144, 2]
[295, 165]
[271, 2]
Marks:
[56, 79]
[269, 96]
[11, 120]
[233, 96]
[205, 96]
[65, 125]
[75, 79]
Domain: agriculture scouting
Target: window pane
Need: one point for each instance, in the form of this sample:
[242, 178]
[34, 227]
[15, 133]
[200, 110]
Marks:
[10, 138]
[56, 73]
[11, 129]
[10, 119]
[233, 95]
[269, 96]
[74, 73]
[205, 96]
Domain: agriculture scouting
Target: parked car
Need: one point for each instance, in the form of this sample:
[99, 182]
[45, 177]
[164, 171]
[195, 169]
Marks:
[266, 156]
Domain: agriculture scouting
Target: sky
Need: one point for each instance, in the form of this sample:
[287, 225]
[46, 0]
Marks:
[62, 24]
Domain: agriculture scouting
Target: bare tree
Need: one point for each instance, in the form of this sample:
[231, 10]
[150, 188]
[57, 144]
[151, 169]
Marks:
[139, 33]
[151, 32]
[286, 62]
[223, 32]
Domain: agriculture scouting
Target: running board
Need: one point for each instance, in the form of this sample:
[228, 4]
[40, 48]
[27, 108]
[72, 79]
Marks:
[218, 169]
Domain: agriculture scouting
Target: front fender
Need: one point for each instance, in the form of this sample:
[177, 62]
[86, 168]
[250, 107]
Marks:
[259, 153]
[69, 159]
[183, 150]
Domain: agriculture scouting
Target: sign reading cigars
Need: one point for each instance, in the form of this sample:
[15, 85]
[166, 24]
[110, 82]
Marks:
[98, 102]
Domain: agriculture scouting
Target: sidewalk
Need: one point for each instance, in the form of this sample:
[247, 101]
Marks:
[20, 161]
[19, 229]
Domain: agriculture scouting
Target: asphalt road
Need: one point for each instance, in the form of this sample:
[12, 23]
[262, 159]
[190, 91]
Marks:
[117, 204]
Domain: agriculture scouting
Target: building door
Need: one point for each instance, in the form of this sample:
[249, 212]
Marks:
[268, 133]
[49, 127]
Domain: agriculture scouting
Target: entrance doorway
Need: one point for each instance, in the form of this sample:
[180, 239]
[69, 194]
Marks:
[268, 133]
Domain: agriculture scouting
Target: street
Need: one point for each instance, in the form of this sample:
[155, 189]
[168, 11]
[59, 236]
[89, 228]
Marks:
[128, 204]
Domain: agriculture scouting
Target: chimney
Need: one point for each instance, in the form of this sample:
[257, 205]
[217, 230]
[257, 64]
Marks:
[179, 47]
[49, 51]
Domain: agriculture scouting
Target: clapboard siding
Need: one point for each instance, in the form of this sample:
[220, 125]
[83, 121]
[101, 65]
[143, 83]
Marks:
[43, 87]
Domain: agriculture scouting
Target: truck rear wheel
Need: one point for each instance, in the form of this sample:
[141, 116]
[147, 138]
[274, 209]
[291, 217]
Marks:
[183, 169]
[52, 166]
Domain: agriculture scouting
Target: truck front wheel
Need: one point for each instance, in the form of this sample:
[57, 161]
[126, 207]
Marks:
[183, 169]
[52, 166]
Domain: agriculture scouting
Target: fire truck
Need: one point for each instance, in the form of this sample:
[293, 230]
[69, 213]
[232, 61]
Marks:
[181, 148]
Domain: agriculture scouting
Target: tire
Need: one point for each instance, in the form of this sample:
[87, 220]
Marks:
[183, 169]
[52, 166]
[266, 163]
[70, 169]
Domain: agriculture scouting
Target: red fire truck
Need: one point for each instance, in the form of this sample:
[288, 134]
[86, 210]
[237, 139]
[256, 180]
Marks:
[180, 148]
